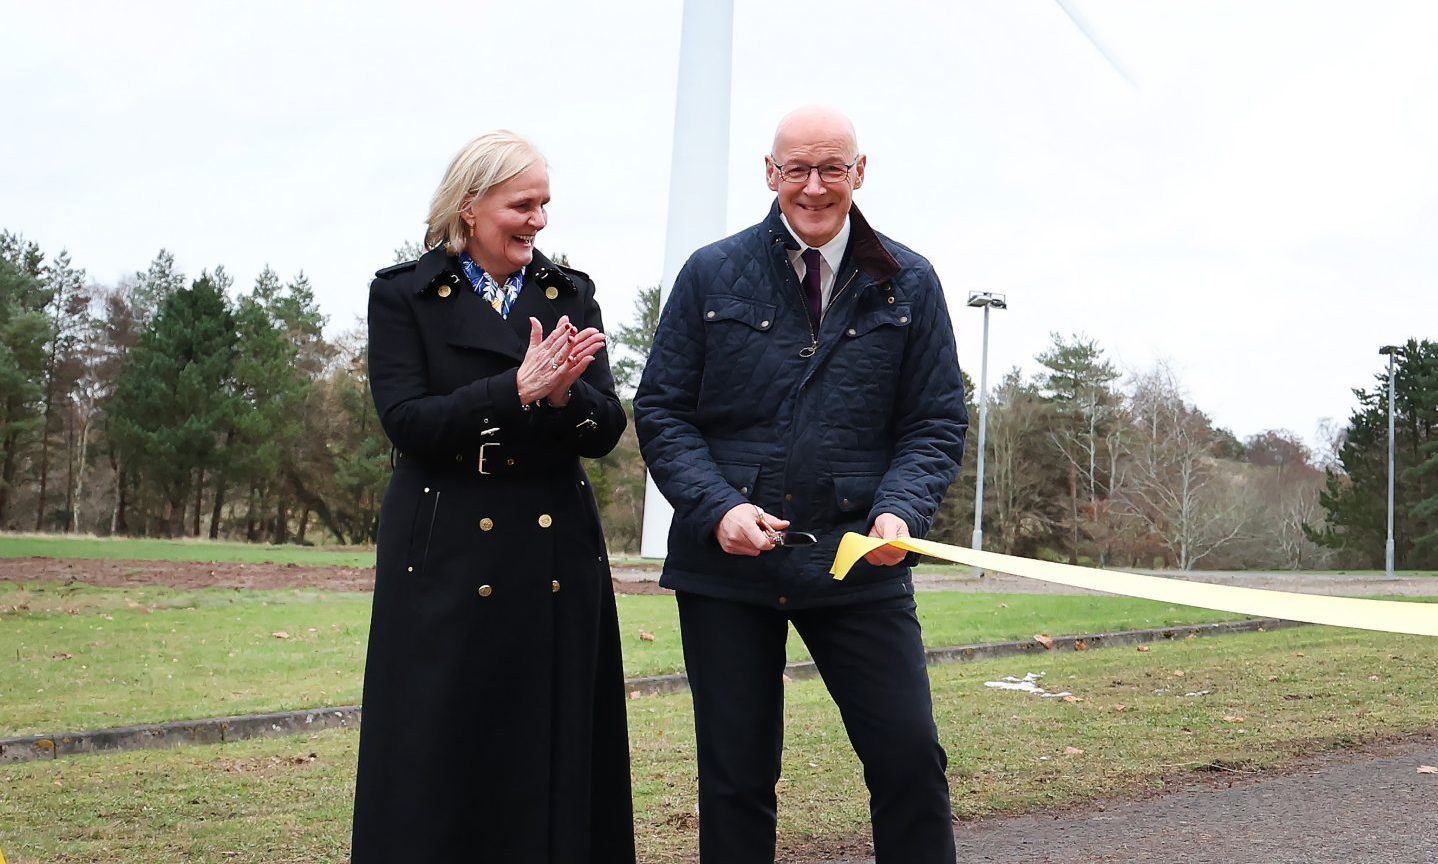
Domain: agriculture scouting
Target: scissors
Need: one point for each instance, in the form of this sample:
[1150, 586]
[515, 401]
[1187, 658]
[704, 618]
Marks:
[793, 538]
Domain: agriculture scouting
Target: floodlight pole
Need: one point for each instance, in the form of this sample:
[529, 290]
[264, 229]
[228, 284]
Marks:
[987, 300]
[1390, 350]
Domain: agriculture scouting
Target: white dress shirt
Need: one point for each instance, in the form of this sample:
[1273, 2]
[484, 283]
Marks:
[831, 255]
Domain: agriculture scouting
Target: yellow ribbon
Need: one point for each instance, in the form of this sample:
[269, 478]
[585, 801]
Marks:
[1390, 616]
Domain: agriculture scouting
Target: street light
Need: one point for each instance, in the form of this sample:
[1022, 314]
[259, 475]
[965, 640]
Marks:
[1390, 350]
[987, 300]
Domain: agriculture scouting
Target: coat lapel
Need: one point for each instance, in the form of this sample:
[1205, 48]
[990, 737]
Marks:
[477, 326]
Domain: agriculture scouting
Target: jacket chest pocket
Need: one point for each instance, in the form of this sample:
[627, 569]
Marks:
[722, 311]
[736, 332]
[888, 321]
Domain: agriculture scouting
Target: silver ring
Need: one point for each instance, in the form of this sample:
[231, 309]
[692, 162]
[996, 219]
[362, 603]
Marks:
[553, 365]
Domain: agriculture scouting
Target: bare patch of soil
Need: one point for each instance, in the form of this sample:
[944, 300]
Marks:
[187, 576]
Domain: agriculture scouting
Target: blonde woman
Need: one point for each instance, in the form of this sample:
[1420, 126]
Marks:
[494, 717]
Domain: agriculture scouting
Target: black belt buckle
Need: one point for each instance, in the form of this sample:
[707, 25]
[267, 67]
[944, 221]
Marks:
[794, 538]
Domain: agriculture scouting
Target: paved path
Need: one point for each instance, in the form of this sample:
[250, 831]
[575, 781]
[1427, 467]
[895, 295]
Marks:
[1347, 808]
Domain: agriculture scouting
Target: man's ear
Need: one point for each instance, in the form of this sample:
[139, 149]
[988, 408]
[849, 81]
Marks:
[771, 174]
[859, 164]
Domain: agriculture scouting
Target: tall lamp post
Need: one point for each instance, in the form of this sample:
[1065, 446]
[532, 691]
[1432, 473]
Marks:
[987, 300]
[1390, 350]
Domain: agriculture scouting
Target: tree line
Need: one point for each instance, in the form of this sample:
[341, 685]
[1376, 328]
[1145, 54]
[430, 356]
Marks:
[166, 405]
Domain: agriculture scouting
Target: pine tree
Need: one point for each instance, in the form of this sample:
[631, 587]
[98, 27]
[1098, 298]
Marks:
[69, 315]
[1078, 384]
[24, 332]
[1355, 497]
[175, 400]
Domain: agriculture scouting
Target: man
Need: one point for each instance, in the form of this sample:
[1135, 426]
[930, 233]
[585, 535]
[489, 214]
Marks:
[804, 373]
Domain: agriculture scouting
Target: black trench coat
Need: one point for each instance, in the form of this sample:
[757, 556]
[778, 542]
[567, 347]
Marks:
[494, 717]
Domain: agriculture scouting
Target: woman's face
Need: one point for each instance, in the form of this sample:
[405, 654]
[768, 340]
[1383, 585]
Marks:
[505, 219]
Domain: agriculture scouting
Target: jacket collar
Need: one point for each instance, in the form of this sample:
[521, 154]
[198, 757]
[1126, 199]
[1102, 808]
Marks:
[866, 247]
[437, 266]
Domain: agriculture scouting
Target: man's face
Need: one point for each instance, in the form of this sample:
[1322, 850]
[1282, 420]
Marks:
[815, 209]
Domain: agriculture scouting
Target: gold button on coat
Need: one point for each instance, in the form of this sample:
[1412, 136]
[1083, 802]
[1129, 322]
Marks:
[551, 292]
[485, 590]
[554, 586]
[486, 524]
[545, 520]
[443, 291]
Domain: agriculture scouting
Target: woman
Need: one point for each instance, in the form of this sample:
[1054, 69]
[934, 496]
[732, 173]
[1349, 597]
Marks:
[494, 727]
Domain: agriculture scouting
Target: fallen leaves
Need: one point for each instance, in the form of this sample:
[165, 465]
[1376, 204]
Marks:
[1233, 718]
[1142, 649]
[1045, 640]
[1073, 751]
[280, 634]
[646, 636]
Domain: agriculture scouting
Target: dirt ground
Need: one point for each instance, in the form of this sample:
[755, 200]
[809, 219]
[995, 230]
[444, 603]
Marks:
[631, 579]
[184, 575]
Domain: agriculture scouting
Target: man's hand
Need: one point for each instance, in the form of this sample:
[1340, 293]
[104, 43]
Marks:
[887, 526]
[746, 529]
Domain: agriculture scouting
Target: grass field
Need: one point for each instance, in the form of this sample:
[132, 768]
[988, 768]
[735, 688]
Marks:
[75, 657]
[1140, 723]
[207, 551]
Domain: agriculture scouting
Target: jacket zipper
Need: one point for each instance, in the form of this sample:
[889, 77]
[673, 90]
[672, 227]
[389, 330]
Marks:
[813, 346]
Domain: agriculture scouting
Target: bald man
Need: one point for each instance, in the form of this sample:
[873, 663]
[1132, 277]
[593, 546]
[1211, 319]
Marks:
[804, 383]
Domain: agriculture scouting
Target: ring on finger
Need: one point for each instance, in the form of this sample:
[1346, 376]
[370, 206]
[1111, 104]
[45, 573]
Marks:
[553, 365]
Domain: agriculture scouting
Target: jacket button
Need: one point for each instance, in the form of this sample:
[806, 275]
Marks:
[426, 490]
[788, 496]
[845, 502]
[708, 314]
[763, 325]
[743, 490]
[853, 332]
[783, 601]
[903, 319]
[409, 569]
[554, 587]
[486, 524]
[443, 291]
[459, 457]
[545, 520]
[485, 590]
[551, 293]
[509, 462]
[891, 298]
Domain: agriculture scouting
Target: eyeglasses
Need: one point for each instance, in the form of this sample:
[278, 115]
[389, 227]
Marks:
[792, 173]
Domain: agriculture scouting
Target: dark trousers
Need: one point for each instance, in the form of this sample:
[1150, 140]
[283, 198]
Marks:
[871, 657]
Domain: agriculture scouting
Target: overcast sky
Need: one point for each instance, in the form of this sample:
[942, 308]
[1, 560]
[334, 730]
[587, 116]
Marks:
[1259, 208]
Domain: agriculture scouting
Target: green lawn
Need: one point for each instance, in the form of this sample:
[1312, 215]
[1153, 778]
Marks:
[150, 549]
[1269, 698]
[74, 657]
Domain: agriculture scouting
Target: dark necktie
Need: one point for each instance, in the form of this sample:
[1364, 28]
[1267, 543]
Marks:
[811, 285]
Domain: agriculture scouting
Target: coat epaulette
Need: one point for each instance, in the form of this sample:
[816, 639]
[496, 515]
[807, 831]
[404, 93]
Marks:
[558, 276]
[389, 272]
[580, 273]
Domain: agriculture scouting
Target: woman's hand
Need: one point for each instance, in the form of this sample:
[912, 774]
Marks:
[545, 362]
[553, 363]
[583, 346]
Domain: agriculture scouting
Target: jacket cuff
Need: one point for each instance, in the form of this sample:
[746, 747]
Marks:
[504, 396]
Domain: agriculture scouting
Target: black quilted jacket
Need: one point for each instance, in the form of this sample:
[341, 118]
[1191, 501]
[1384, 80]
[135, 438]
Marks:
[742, 401]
